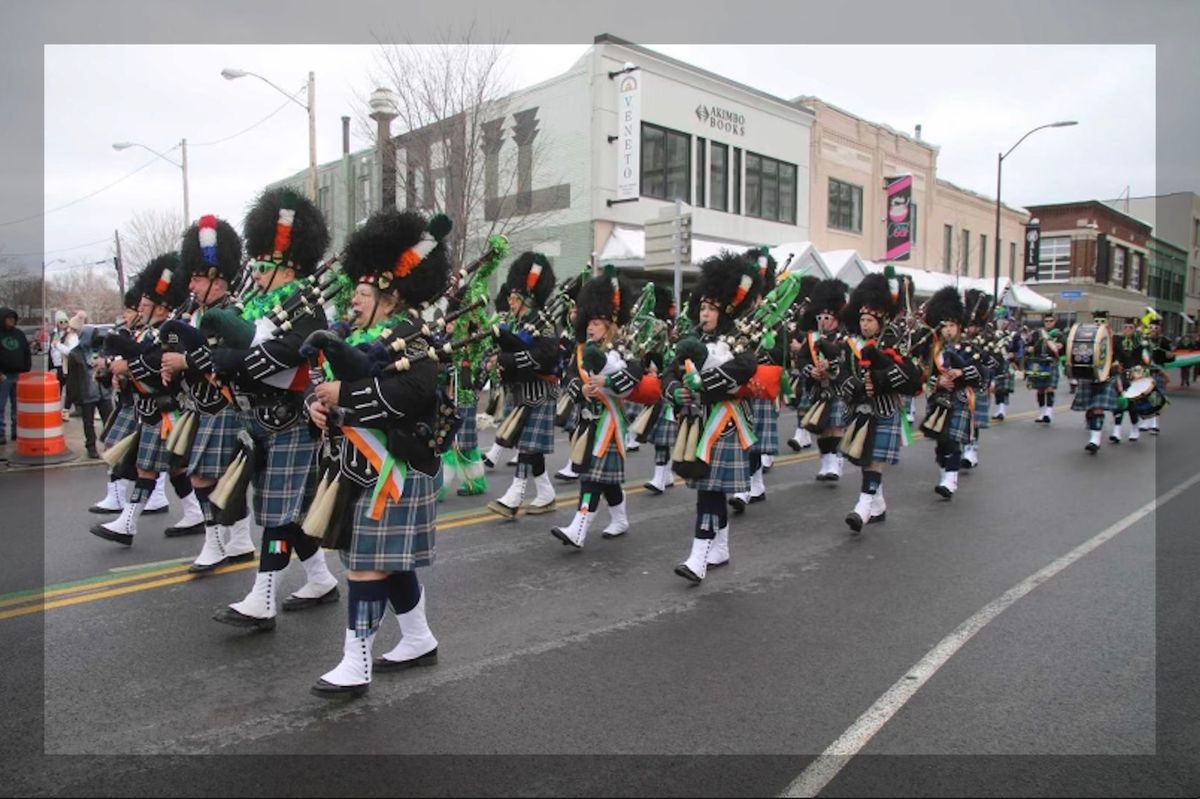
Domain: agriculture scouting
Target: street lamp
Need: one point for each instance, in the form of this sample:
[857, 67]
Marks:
[234, 74]
[999, 165]
[125, 145]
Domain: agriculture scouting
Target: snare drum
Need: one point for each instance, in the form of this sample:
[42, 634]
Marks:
[1145, 398]
[1089, 352]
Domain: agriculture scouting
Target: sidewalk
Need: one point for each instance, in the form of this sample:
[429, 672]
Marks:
[72, 434]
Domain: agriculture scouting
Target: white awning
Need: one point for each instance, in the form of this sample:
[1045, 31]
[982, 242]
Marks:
[1022, 296]
[627, 247]
[803, 257]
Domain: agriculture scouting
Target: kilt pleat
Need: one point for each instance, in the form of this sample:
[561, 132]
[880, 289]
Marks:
[608, 469]
[729, 469]
[213, 446]
[125, 424]
[1092, 396]
[153, 455]
[284, 484]
[404, 537]
[766, 426]
[537, 437]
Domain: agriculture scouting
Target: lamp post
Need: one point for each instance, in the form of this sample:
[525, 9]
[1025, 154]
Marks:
[124, 145]
[234, 74]
[999, 165]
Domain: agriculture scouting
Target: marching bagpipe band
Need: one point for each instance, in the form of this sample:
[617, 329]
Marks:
[821, 347]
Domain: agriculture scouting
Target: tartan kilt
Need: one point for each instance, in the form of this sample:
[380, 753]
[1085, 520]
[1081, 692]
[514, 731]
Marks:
[153, 455]
[404, 538]
[1053, 379]
[804, 395]
[212, 448]
[1160, 380]
[889, 437]
[959, 427]
[729, 469]
[839, 414]
[1090, 396]
[125, 424]
[537, 436]
[608, 469]
[1002, 383]
[766, 426]
[572, 423]
[284, 485]
[467, 437]
[983, 410]
[664, 432]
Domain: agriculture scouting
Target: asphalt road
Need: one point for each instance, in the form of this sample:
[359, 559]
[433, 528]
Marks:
[601, 672]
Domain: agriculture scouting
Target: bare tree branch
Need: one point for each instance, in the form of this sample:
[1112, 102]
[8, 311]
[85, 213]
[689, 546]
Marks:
[148, 235]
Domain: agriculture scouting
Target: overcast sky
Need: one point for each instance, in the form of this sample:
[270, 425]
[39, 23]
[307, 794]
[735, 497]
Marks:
[972, 101]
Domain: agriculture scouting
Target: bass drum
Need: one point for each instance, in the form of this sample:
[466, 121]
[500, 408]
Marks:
[1145, 397]
[1089, 352]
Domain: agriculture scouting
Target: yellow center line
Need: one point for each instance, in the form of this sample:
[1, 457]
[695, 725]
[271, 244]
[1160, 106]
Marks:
[173, 576]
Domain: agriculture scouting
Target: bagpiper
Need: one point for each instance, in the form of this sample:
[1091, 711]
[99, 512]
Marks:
[285, 237]
[1003, 381]
[123, 421]
[163, 286]
[529, 368]
[818, 358]
[873, 379]
[664, 429]
[599, 377]
[802, 390]
[388, 473]
[954, 379]
[765, 412]
[981, 342]
[1162, 352]
[1042, 366]
[715, 434]
[211, 253]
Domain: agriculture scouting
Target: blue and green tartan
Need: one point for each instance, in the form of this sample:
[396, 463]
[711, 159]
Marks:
[283, 488]
[1092, 396]
[608, 469]
[537, 436]
[730, 467]
[213, 446]
[125, 424]
[153, 455]
[405, 537]
[889, 438]
[766, 426]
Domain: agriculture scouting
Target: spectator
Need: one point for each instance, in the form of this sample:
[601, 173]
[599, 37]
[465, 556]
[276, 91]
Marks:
[15, 358]
[82, 388]
[58, 351]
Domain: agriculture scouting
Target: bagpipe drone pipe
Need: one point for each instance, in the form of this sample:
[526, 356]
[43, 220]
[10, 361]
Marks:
[689, 357]
[816, 418]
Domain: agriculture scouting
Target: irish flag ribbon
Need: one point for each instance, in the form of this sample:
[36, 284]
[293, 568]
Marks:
[906, 435]
[724, 414]
[610, 428]
[390, 485]
[169, 418]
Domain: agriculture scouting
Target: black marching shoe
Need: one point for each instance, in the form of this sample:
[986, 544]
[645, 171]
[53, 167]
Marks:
[855, 522]
[738, 504]
[328, 690]
[683, 571]
[1092, 448]
[428, 659]
[233, 618]
[1114, 439]
[794, 444]
[101, 531]
[303, 603]
[176, 532]
[488, 462]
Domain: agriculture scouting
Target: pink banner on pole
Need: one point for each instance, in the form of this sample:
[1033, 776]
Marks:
[900, 217]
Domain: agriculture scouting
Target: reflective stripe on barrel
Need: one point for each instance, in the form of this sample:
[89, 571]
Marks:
[39, 415]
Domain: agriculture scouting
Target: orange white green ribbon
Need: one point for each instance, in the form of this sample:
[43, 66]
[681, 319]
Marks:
[392, 474]
[724, 414]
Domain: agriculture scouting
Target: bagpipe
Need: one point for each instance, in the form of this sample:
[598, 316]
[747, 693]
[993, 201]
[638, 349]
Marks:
[1041, 362]
[758, 332]
[591, 361]
[940, 405]
[827, 348]
[686, 461]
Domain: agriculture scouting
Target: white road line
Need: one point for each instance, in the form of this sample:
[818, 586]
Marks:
[827, 765]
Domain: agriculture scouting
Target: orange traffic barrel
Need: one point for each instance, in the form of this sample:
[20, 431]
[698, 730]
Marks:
[39, 420]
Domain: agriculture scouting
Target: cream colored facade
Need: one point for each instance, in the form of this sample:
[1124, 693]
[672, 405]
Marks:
[860, 153]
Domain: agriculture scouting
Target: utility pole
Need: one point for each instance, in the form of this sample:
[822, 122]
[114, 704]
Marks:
[120, 265]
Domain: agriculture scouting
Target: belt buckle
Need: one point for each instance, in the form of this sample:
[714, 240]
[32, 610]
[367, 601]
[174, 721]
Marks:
[243, 402]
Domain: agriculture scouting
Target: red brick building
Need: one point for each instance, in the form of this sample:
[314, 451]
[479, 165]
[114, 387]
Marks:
[1094, 248]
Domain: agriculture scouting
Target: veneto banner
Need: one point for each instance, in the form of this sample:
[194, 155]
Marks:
[899, 217]
[629, 136]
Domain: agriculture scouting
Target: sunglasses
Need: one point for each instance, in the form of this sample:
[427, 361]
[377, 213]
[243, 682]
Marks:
[262, 267]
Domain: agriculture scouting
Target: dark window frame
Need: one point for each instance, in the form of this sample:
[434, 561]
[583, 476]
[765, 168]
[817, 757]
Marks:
[701, 172]
[684, 144]
[718, 203]
[834, 213]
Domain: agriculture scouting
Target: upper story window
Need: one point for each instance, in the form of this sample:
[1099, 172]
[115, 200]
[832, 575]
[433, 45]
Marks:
[1054, 258]
[770, 189]
[845, 205]
[666, 163]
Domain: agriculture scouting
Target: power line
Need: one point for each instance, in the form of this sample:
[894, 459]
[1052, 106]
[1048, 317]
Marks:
[48, 252]
[81, 199]
[207, 144]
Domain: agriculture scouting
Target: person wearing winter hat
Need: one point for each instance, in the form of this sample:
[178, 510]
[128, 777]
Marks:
[529, 367]
[954, 378]
[123, 421]
[1097, 398]
[16, 358]
[389, 473]
[765, 412]
[599, 377]
[665, 429]
[163, 287]
[285, 237]
[58, 348]
[873, 379]
[702, 383]
[803, 390]
[818, 358]
[979, 317]
[211, 253]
